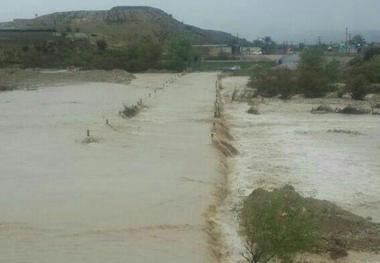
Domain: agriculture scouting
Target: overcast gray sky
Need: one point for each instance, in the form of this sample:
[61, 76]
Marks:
[282, 19]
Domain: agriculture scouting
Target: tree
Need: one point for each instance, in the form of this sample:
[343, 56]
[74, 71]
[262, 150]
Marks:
[358, 41]
[144, 55]
[371, 52]
[266, 44]
[180, 53]
[312, 75]
[151, 53]
[101, 44]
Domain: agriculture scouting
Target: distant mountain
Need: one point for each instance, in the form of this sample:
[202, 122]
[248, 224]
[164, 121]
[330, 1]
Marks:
[122, 26]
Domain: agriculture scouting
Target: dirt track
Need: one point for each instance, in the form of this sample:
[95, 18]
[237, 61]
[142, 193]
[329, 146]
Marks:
[138, 195]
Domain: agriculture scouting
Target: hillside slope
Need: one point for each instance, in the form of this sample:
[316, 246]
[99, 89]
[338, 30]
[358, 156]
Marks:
[122, 25]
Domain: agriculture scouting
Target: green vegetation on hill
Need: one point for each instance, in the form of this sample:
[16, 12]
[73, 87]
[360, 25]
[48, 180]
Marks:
[134, 38]
[122, 26]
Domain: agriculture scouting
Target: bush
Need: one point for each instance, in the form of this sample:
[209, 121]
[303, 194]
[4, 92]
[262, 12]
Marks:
[101, 44]
[312, 84]
[253, 110]
[275, 82]
[353, 110]
[332, 71]
[371, 52]
[277, 225]
[370, 69]
[357, 85]
[130, 111]
[313, 80]
[363, 75]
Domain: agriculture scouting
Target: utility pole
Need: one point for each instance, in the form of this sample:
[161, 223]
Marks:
[346, 39]
[349, 42]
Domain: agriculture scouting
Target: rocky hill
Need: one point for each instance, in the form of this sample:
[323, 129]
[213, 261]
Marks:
[122, 26]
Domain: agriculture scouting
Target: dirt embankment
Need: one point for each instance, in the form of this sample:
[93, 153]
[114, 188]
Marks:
[11, 79]
[223, 142]
[220, 134]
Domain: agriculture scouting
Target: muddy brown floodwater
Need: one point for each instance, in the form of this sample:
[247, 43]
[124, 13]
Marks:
[138, 194]
[286, 144]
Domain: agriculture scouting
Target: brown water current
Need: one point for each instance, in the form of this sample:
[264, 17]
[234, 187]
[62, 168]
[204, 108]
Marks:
[137, 194]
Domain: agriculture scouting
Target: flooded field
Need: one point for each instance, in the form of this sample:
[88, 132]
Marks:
[330, 157]
[136, 195]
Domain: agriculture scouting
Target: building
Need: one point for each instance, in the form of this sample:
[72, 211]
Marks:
[213, 51]
[250, 51]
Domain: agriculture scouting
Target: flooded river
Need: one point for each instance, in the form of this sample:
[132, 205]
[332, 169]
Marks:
[137, 195]
[141, 191]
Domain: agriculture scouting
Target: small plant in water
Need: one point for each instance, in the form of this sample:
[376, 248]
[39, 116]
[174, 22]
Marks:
[131, 111]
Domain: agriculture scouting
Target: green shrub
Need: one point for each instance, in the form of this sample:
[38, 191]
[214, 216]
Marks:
[280, 81]
[332, 71]
[312, 84]
[179, 53]
[277, 224]
[357, 85]
[371, 52]
[101, 44]
[313, 80]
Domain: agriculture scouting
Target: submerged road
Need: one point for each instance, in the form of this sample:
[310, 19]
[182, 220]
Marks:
[137, 195]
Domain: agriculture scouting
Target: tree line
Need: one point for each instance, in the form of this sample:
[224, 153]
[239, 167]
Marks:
[318, 75]
[176, 54]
